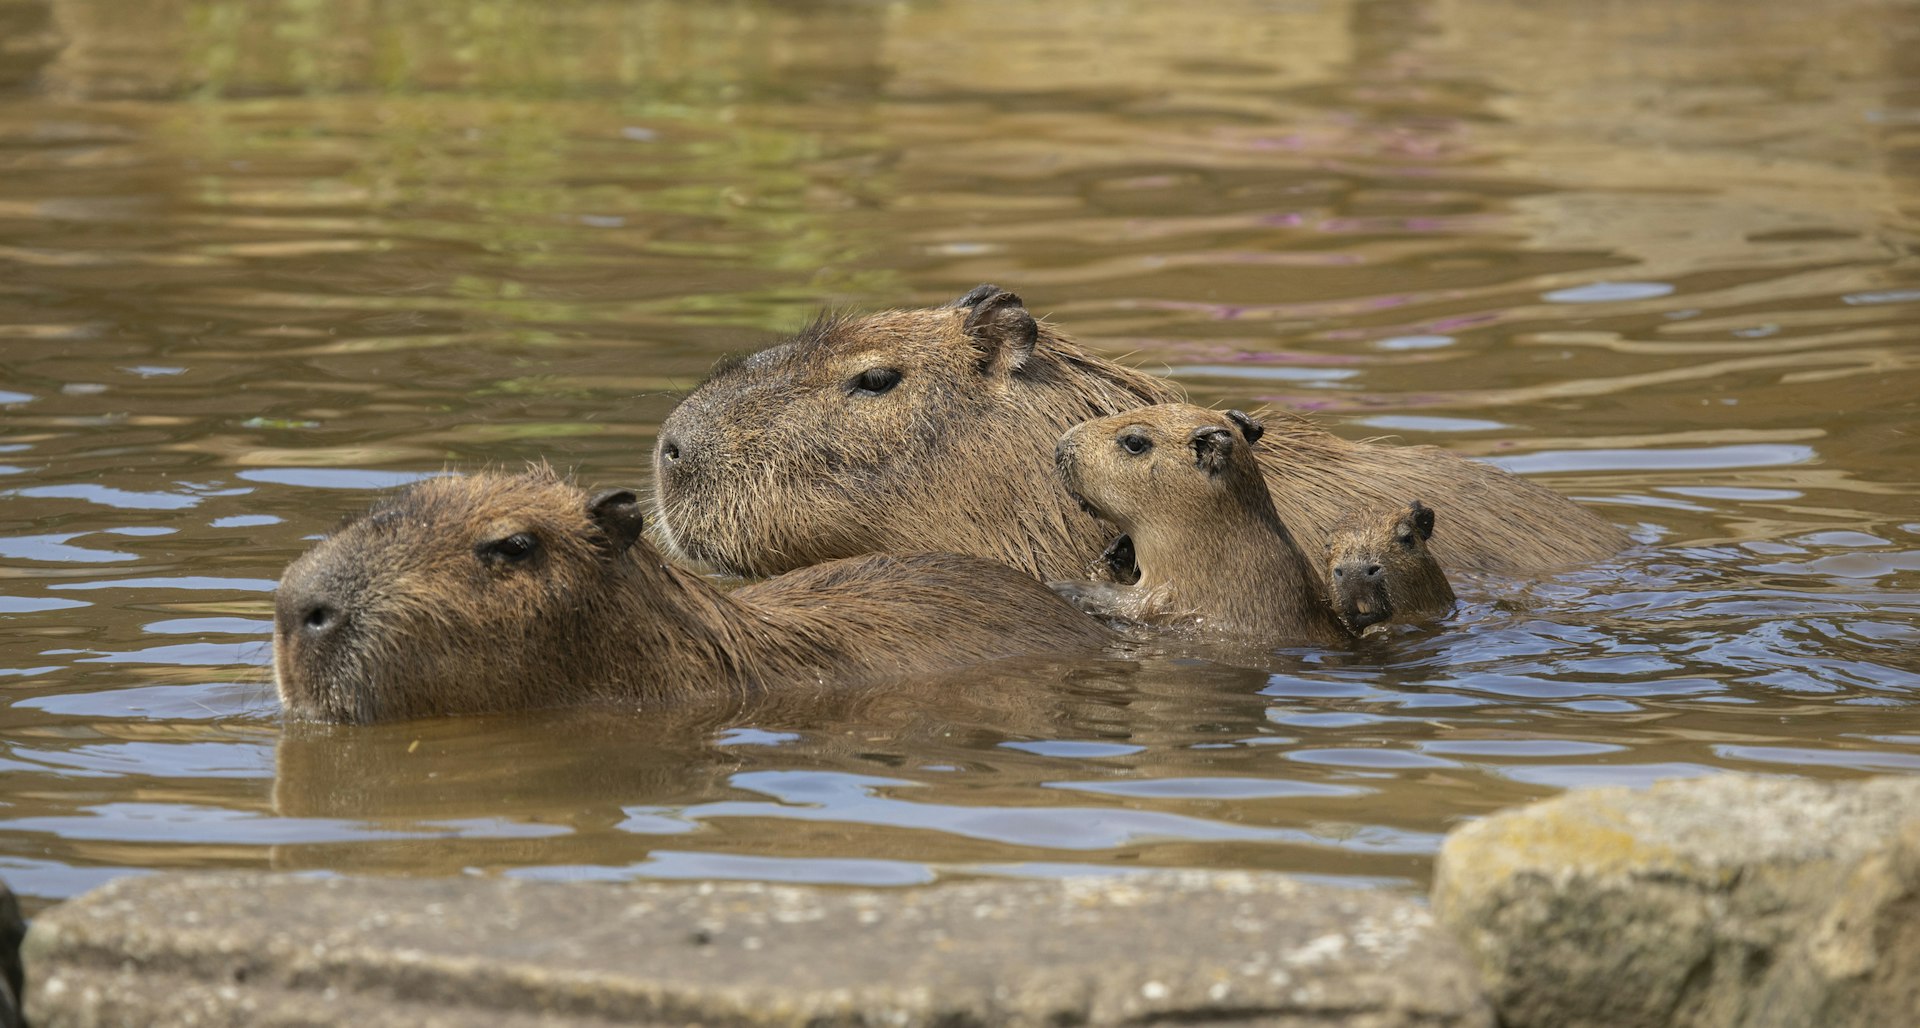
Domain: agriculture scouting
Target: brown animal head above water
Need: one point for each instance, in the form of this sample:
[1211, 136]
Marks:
[504, 593]
[899, 431]
[1184, 485]
[1379, 568]
[1166, 468]
[459, 594]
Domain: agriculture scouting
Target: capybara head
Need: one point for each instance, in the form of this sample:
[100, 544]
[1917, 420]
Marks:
[1185, 487]
[1166, 468]
[903, 430]
[1379, 567]
[457, 595]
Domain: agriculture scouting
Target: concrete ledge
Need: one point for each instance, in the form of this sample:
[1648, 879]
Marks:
[1731, 900]
[258, 949]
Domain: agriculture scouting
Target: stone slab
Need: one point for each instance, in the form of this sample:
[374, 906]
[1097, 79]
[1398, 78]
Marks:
[262, 949]
[1729, 900]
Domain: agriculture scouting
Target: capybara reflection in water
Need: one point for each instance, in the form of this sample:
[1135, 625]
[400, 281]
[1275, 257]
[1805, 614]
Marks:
[1380, 568]
[1183, 483]
[934, 429]
[495, 593]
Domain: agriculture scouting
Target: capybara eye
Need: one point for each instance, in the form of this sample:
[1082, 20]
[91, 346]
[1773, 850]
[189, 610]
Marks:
[509, 550]
[874, 381]
[1135, 444]
[1405, 539]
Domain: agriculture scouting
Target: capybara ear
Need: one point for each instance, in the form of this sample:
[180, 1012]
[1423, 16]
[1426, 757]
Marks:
[1422, 518]
[1121, 561]
[976, 294]
[1212, 447]
[617, 512]
[1250, 429]
[1004, 331]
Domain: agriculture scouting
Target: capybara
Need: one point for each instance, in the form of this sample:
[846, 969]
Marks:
[1183, 483]
[1380, 568]
[932, 428]
[497, 593]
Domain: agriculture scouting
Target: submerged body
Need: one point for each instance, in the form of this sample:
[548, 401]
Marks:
[1184, 486]
[1381, 569]
[500, 593]
[935, 428]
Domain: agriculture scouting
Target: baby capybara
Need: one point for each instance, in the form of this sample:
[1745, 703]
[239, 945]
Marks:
[498, 593]
[1380, 568]
[1183, 484]
[934, 429]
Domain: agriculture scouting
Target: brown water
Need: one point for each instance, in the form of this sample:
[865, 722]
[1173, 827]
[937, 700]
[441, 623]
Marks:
[259, 261]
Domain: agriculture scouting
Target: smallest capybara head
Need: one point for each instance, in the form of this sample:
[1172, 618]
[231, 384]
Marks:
[456, 595]
[1161, 466]
[1379, 568]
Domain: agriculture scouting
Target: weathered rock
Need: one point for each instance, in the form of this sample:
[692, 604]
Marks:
[1732, 900]
[281, 950]
[11, 929]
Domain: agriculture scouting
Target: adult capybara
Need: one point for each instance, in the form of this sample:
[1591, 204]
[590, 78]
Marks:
[1380, 568]
[496, 593]
[934, 428]
[1183, 484]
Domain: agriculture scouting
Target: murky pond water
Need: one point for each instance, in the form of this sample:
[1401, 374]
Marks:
[260, 261]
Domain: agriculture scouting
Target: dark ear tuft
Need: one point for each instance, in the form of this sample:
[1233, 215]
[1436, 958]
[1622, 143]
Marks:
[976, 294]
[1422, 518]
[1250, 429]
[1212, 448]
[617, 512]
[1004, 330]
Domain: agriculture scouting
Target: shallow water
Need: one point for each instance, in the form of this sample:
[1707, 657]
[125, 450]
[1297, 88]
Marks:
[260, 261]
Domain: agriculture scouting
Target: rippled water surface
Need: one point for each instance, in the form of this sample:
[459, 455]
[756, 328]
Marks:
[260, 261]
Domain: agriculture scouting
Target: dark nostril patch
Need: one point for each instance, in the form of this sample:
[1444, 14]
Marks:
[1339, 572]
[1373, 570]
[320, 617]
[670, 450]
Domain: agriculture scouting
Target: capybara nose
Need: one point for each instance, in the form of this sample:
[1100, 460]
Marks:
[1373, 571]
[308, 609]
[676, 454]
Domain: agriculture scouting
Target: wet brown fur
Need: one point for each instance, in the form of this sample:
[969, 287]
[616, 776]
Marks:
[783, 464]
[1380, 568]
[592, 614]
[1210, 549]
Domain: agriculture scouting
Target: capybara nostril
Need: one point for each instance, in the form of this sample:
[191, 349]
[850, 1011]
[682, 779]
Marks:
[670, 450]
[1373, 571]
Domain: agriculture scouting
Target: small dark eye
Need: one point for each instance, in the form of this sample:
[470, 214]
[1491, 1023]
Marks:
[509, 550]
[1405, 539]
[875, 381]
[1135, 444]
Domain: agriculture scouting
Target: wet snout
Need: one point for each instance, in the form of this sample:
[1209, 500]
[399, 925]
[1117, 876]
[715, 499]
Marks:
[678, 452]
[315, 609]
[1360, 594]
